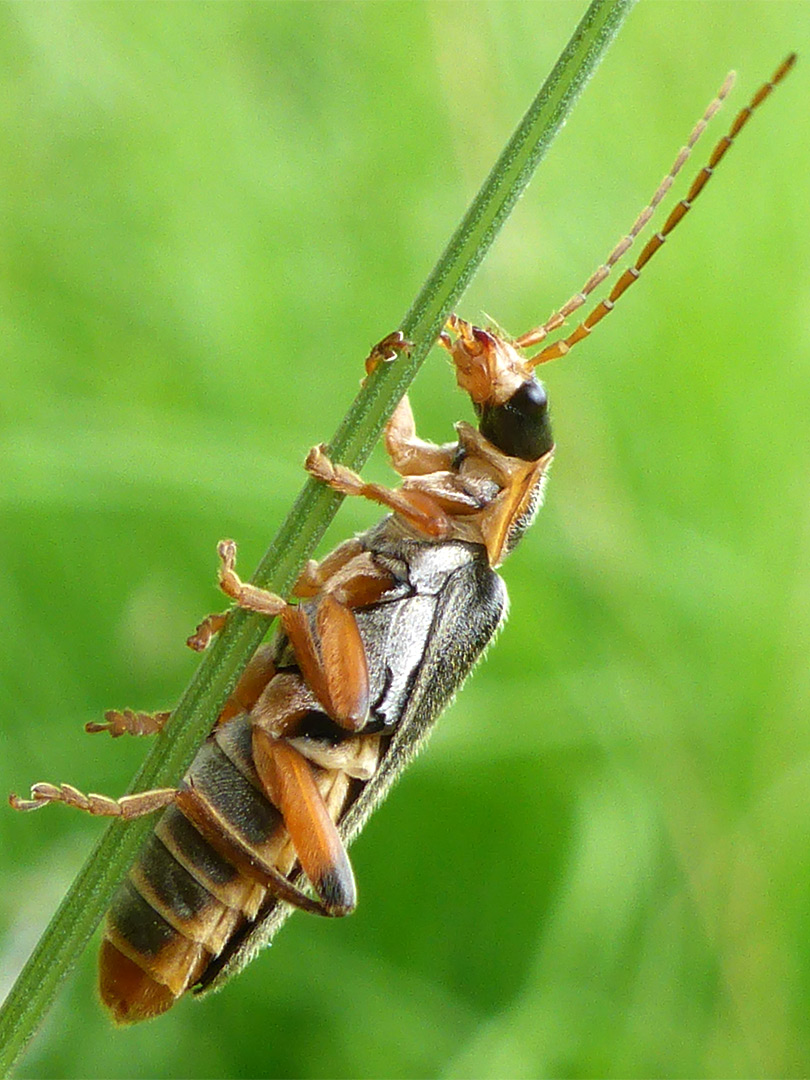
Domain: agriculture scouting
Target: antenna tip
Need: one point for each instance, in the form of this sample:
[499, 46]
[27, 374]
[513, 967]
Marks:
[784, 67]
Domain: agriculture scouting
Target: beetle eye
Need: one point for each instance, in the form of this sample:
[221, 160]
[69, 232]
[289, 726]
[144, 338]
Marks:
[520, 427]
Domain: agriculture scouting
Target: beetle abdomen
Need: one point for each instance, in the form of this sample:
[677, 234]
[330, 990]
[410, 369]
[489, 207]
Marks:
[195, 881]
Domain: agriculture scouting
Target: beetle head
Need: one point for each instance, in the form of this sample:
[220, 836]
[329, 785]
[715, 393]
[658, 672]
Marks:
[511, 404]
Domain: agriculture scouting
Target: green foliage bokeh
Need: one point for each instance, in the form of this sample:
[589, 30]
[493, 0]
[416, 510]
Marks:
[210, 212]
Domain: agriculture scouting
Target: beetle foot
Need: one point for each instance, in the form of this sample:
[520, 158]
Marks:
[129, 722]
[204, 634]
[387, 350]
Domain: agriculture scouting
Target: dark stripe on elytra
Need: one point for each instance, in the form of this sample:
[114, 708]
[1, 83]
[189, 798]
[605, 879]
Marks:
[246, 810]
[138, 923]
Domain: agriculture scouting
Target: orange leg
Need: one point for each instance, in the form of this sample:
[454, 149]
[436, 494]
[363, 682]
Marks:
[252, 682]
[128, 722]
[310, 582]
[203, 635]
[316, 575]
[247, 596]
[131, 806]
[332, 659]
[285, 701]
[410, 455]
[324, 637]
[251, 865]
[418, 508]
[290, 783]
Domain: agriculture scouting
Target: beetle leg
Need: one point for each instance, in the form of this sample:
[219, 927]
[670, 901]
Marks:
[387, 350]
[315, 575]
[290, 782]
[129, 807]
[258, 673]
[202, 636]
[285, 701]
[410, 455]
[250, 597]
[326, 639]
[417, 507]
[252, 682]
[332, 659]
[249, 862]
[128, 722]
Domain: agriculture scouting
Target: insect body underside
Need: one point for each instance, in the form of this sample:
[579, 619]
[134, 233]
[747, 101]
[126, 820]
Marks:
[385, 630]
[325, 717]
[197, 898]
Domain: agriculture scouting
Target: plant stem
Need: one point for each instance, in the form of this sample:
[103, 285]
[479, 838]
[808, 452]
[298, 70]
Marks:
[80, 911]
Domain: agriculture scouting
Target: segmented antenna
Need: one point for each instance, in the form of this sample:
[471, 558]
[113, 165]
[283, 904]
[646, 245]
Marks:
[557, 318]
[560, 348]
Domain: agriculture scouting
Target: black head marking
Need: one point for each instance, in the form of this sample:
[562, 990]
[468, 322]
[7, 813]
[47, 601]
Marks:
[520, 427]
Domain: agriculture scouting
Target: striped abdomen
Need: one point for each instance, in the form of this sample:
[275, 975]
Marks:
[198, 879]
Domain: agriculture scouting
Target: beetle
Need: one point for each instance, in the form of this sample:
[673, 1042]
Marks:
[381, 634]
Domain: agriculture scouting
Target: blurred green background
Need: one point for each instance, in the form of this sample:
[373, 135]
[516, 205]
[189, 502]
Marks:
[601, 866]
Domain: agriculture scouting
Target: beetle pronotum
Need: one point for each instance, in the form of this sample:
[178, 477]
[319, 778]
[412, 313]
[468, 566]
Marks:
[385, 630]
